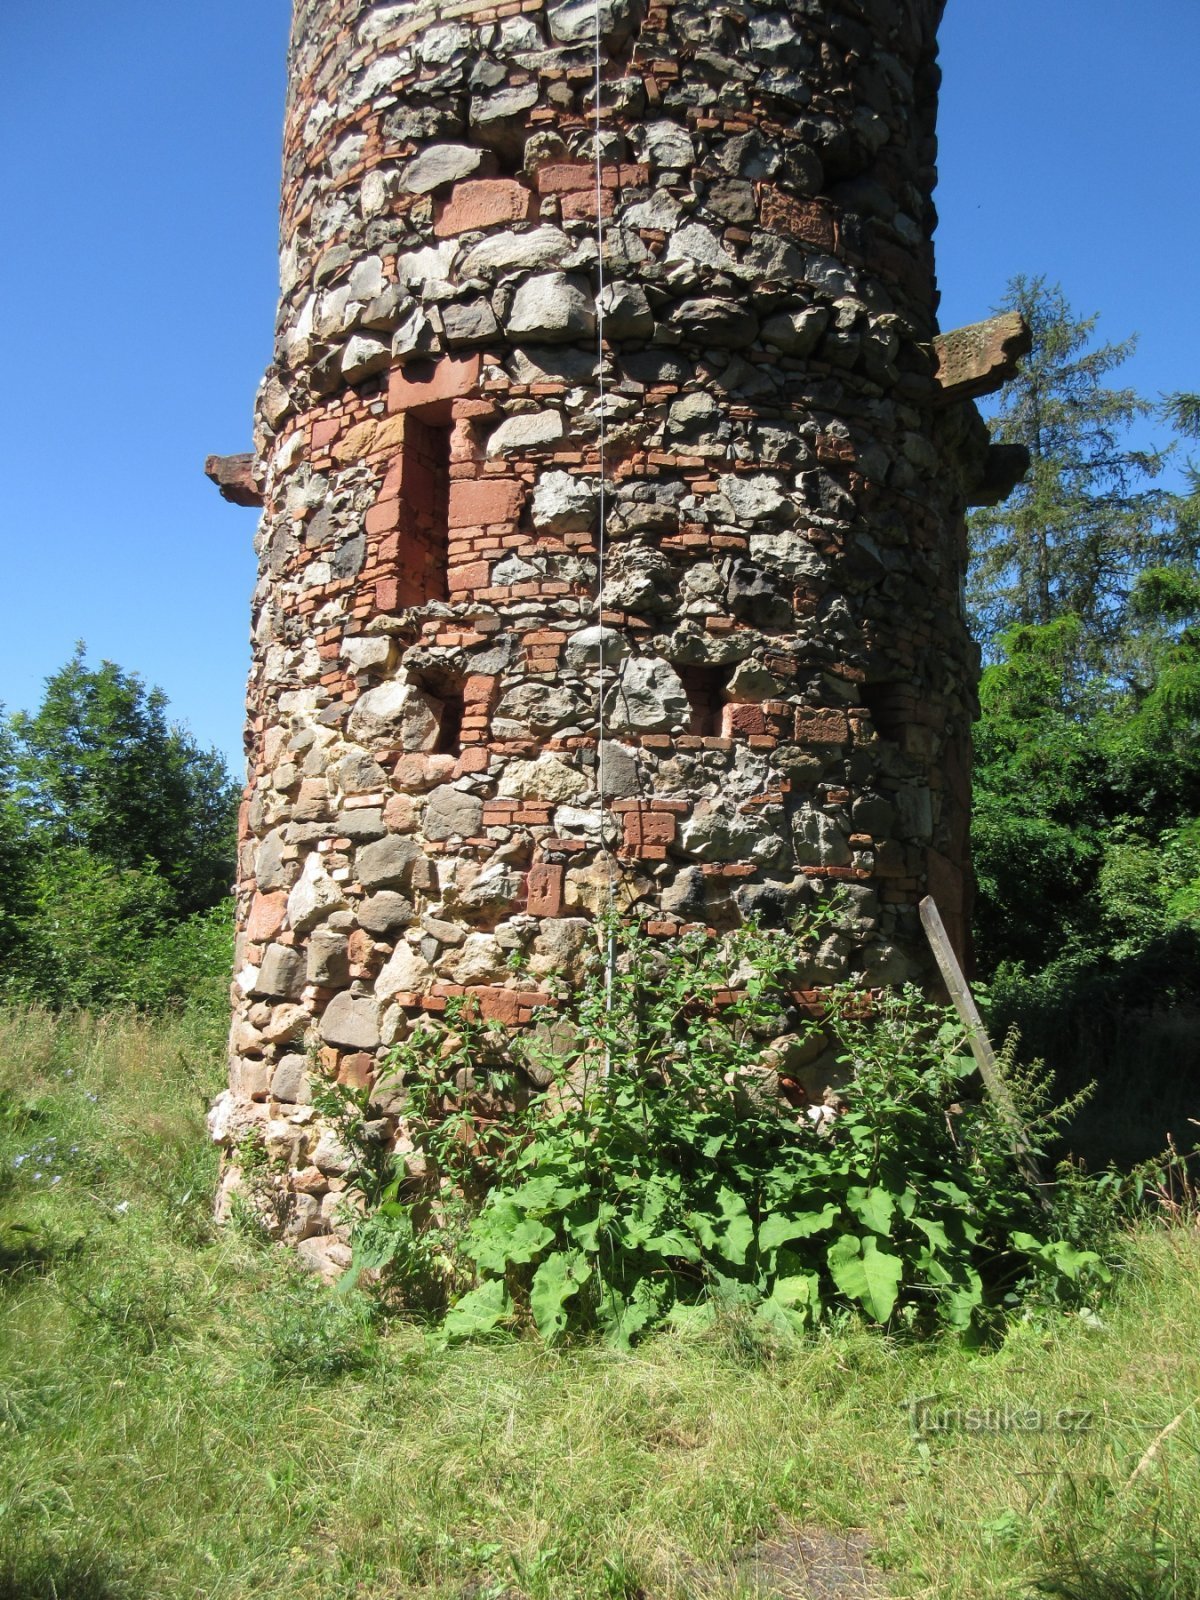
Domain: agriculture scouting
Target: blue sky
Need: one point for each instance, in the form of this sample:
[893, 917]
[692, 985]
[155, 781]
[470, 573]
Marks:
[139, 159]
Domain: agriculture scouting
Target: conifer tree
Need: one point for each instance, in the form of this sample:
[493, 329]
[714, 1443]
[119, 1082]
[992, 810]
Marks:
[1090, 515]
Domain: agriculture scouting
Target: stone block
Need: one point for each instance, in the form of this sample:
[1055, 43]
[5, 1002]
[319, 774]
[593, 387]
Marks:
[483, 203]
[544, 891]
[484, 502]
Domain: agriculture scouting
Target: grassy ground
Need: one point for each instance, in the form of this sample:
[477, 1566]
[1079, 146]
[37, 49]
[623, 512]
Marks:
[182, 1415]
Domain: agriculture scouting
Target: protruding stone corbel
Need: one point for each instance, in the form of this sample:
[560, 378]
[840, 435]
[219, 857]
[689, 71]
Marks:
[1003, 468]
[235, 477]
[977, 359]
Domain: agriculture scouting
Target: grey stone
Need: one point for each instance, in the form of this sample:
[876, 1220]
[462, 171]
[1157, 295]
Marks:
[406, 972]
[648, 697]
[362, 824]
[694, 419]
[871, 813]
[536, 708]
[732, 200]
[366, 278]
[509, 252]
[818, 840]
[499, 119]
[886, 965]
[552, 306]
[788, 554]
[492, 895]
[526, 432]
[440, 165]
[396, 713]
[723, 834]
[591, 648]
[359, 774]
[328, 959]
[367, 651]
[701, 246]
[351, 1022]
[347, 559]
[547, 778]
[364, 356]
[626, 311]
[289, 1081]
[471, 322]
[387, 863]
[450, 813]
[753, 497]
[710, 321]
[387, 310]
[416, 336]
[271, 871]
[685, 895]
[314, 897]
[618, 770]
[552, 364]
[666, 145]
[380, 913]
[563, 503]
[576, 21]
[281, 974]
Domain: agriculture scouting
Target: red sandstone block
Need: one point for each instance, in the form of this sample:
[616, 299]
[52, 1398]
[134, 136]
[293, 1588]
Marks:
[474, 760]
[483, 203]
[498, 1005]
[646, 828]
[478, 689]
[266, 917]
[357, 1071]
[582, 207]
[325, 431]
[451, 378]
[743, 720]
[534, 816]
[383, 516]
[544, 891]
[564, 178]
[478, 502]
[473, 577]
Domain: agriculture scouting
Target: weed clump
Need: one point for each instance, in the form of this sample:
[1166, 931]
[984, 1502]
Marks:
[661, 1178]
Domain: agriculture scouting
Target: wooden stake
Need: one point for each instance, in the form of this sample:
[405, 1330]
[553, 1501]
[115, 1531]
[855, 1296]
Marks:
[981, 1049]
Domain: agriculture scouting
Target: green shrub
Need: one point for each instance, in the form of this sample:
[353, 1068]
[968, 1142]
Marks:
[659, 1177]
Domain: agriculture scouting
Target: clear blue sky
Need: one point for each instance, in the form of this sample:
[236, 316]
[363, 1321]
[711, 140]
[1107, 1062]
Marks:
[139, 171]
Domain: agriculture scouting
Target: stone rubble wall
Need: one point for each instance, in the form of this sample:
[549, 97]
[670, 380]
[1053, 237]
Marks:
[789, 684]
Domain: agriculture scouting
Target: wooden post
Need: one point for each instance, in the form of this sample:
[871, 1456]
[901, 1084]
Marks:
[981, 1049]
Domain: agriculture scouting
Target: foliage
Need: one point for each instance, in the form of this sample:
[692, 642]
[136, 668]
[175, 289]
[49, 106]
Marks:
[1088, 518]
[1087, 773]
[116, 849]
[660, 1178]
[98, 767]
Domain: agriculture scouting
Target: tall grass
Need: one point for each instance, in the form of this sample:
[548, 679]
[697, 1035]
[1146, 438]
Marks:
[182, 1414]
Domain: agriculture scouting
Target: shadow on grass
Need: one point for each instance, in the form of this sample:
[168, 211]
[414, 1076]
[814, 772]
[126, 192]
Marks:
[28, 1575]
[26, 1249]
[1120, 1578]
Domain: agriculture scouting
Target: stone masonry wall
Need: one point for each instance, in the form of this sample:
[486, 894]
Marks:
[788, 680]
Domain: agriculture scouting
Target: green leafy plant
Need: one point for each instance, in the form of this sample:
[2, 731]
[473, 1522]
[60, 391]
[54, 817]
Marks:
[662, 1177]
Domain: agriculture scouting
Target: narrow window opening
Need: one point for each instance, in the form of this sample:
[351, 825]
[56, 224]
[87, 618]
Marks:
[422, 552]
[887, 704]
[449, 741]
[705, 688]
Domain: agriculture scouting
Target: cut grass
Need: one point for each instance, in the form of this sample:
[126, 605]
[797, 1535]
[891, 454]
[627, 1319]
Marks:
[182, 1414]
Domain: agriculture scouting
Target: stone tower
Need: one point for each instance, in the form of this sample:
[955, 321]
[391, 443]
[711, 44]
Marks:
[613, 475]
